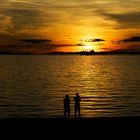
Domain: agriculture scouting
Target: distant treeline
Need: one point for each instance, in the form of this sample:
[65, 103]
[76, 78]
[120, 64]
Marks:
[92, 53]
[71, 53]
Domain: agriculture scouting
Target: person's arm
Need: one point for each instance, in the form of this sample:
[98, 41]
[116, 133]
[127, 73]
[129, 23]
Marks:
[79, 98]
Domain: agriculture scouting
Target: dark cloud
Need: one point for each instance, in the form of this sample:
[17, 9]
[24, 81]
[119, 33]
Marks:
[63, 45]
[23, 48]
[106, 49]
[23, 18]
[131, 39]
[130, 49]
[80, 44]
[37, 41]
[95, 40]
[129, 19]
[11, 45]
[125, 17]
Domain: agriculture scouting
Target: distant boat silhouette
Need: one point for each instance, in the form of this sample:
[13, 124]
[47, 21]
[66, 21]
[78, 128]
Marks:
[92, 52]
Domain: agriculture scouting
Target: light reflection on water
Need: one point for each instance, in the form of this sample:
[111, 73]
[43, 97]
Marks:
[35, 85]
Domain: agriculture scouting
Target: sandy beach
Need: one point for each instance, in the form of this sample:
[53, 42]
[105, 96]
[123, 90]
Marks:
[97, 124]
[60, 128]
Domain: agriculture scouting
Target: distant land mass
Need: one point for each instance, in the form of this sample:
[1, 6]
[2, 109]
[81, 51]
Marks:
[92, 52]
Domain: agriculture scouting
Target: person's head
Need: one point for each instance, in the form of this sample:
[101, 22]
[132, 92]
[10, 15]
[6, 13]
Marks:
[77, 94]
[67, 96]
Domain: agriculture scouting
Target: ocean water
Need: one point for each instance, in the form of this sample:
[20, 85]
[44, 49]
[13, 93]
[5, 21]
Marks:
[33, 86]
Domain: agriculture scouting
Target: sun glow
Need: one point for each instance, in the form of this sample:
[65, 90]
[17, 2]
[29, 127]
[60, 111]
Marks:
[88, 48]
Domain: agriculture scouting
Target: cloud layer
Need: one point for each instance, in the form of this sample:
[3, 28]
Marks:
[65, 22]
[131, 39]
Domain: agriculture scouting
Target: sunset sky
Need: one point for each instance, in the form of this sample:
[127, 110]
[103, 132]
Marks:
[41, 26]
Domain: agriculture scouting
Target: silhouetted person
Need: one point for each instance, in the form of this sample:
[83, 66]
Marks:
[66, 106]
[77, 100]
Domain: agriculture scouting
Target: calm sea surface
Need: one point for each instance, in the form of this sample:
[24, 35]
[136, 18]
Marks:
[35, 85]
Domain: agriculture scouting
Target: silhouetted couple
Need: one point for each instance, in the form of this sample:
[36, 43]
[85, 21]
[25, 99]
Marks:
[77, 100]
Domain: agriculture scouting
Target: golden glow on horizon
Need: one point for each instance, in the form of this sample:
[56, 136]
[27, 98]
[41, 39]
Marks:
[88, 48]
[69, 25]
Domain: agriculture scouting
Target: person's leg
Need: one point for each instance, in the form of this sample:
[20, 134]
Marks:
[75, 112]
[65, 113]
[79, 115]
[69, 112]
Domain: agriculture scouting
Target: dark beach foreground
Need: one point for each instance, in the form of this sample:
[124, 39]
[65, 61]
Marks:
[72, 126]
